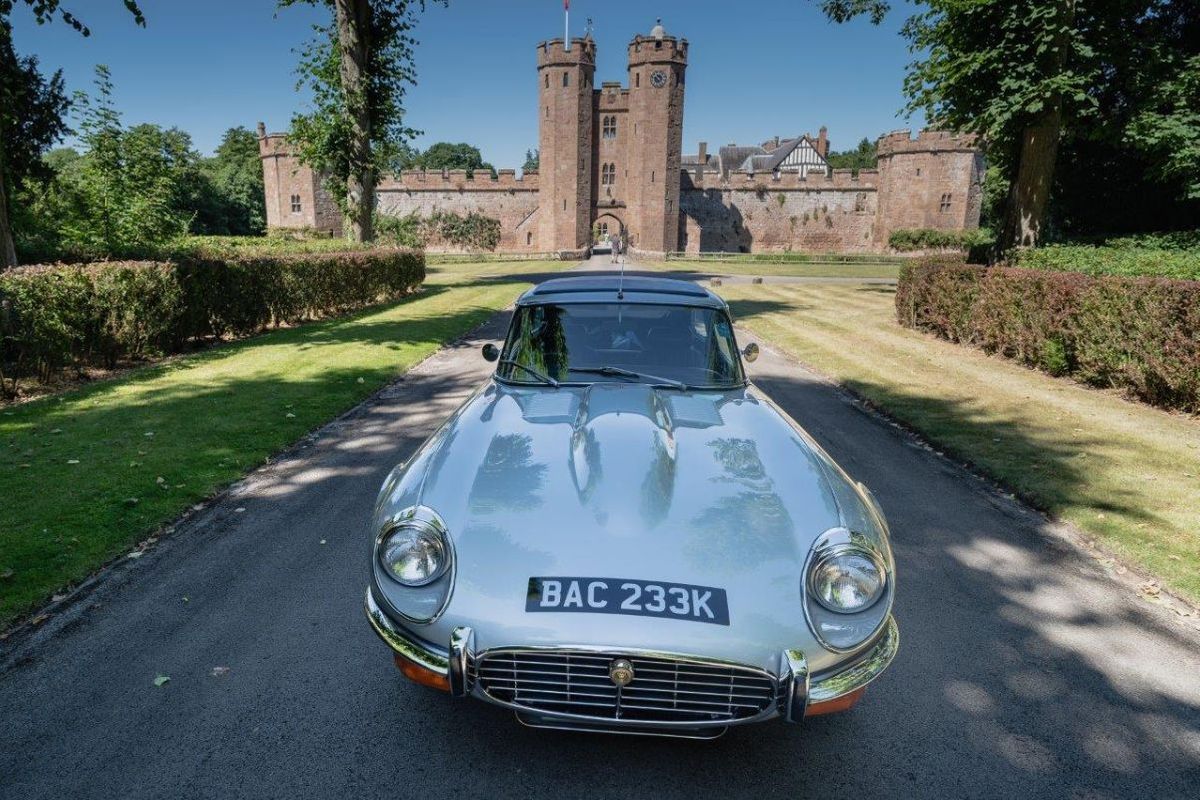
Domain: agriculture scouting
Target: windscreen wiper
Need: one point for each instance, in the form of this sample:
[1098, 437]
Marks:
[508, 362]
[628, 373]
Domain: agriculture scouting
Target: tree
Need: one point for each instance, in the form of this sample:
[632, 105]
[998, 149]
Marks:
[46, 10]
[31, 119]
[533, 160]
[235, 171]
[1035, 76]
[358, 67]
[861, 157]
[444, 155]
[30, 105]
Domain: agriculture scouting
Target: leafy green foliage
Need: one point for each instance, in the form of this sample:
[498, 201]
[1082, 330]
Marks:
[909, 239]
[46, 10]
[533, 160]
[235, 173]
[134, 190]
[56, 316]
[445, 156]
[325, 137]
[1118, 80]
[472, 231]
[1139, 334]
[1168, 127]
[861, 157]
[31, 113]
[1126, 259]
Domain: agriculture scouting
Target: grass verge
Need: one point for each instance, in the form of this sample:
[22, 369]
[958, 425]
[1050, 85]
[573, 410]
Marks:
[796, 269]
[1127, 474]
[86, 474]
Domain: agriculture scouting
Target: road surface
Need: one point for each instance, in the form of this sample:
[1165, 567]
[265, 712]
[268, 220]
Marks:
[1024, 670]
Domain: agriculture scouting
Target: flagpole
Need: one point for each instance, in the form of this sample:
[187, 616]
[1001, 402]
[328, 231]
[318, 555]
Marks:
[567, 25]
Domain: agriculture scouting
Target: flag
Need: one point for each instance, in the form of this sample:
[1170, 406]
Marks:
[566, 5]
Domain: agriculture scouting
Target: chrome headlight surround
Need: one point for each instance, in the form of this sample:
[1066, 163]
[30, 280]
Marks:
[423, 601]
[417, 539]
[841, 631]
[824, 556]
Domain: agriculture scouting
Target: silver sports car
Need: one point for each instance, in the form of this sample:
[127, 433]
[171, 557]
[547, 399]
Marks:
[618, 532]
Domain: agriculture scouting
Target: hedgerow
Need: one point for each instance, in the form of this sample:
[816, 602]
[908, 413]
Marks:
[907, 240]
[58, 316]
[1126, 258]
[1141, 334]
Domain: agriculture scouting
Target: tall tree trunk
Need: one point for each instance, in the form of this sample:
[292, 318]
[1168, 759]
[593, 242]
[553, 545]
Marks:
[1029, 194]
[8, 252]
[354, 32]
[1030, 191]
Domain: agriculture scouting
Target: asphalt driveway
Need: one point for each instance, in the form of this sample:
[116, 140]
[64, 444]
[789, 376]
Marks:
[1024, 669]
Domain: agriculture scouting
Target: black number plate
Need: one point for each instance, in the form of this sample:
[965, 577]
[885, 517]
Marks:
[626, 596]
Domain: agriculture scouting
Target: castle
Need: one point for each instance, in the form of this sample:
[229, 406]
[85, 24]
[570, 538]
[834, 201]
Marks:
[612, 163]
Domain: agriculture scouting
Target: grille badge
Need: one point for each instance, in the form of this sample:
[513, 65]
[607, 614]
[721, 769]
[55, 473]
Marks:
[620, 672]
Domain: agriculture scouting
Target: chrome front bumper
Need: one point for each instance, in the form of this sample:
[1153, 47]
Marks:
[796, 689]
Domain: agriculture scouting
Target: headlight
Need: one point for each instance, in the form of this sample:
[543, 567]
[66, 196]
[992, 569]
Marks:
[847, 580]
[414, 554]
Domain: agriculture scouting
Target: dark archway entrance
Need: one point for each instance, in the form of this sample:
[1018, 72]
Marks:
[607, 227]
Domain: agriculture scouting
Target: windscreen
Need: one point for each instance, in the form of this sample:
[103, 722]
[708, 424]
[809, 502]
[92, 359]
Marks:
[585, 342]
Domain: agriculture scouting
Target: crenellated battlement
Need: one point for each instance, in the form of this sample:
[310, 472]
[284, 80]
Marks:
[612, 96]
[552, 53]
[866, 179]
[654, 50]
[927, 141]
[457, 180]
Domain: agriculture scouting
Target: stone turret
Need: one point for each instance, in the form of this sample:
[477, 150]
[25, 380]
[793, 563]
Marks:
[565, 79]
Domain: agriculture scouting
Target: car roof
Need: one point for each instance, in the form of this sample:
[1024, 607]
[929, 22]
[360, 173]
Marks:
[635, 289]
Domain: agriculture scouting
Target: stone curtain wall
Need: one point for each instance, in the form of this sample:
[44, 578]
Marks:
[762, 213]
[511, 200]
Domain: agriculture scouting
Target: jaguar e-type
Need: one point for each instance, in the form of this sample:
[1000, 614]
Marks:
[618, 532]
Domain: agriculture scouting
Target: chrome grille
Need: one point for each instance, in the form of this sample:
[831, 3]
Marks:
[663, 689]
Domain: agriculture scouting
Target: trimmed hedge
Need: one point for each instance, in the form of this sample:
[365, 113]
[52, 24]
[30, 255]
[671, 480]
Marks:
[907, 240]
[56, 316]
[1123, 259]
[1138, 334]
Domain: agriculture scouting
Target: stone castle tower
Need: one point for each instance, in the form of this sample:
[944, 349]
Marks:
[610, 156]
[612, 164]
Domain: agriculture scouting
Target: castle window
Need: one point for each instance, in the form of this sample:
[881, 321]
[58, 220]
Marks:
[547, 80]
[637, 80]
[918, 172]
[652, 176]
[604, 229]
[566, 79]
[295, 204]
[608, 174]
[610, 128]
[529, 238]
[944, 206]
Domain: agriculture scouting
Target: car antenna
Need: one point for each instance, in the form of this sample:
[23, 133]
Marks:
[621, 282]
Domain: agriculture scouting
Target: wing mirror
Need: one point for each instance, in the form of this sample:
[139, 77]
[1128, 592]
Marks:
[750, 352]
[491, 352]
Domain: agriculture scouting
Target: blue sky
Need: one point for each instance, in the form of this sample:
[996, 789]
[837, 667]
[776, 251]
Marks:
[771, 67]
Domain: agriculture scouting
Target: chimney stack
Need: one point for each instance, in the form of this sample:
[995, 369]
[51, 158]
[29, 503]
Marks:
[262, 130]
[704, 152]
[823, 142]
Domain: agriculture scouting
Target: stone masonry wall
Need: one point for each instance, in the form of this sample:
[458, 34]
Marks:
[762, 213]
[511, 200]
[283, 177]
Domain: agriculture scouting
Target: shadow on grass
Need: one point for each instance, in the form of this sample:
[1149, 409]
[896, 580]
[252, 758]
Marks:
[86, 474]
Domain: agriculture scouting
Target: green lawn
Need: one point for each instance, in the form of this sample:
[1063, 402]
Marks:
[1125, 473]
[86, 474]
[800, 269]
